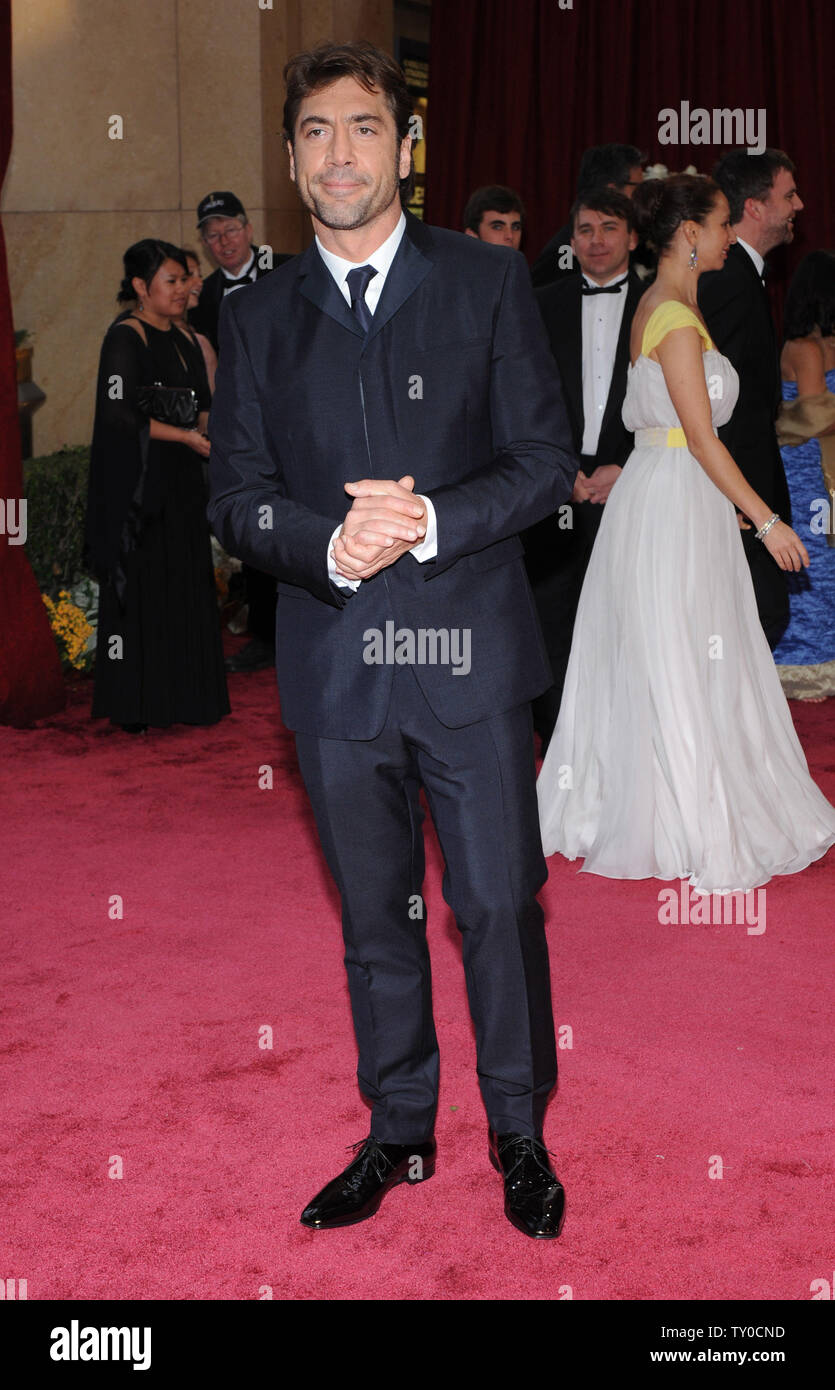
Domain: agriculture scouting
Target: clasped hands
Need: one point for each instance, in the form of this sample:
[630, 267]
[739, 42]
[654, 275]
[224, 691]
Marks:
[385, 520]
[596, 486]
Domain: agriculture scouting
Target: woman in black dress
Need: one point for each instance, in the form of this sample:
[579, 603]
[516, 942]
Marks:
[159, 659]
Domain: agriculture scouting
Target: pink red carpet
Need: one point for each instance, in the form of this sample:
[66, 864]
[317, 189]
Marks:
[135, 1045]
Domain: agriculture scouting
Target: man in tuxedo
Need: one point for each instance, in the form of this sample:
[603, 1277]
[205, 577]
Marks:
[405, 366]
[495, 214]
[227, 234]
[617, 167]
[763, 201]
[588, 318]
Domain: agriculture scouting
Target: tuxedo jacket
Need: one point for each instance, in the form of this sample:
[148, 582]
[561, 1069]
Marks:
[550, 546]
[204, 317]
[455, 385]
[561, 306]
[735, 306]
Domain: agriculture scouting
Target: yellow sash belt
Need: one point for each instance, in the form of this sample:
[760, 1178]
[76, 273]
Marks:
[669, 439]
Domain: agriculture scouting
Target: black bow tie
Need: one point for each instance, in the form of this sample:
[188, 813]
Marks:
[604, 289]
[241, 280]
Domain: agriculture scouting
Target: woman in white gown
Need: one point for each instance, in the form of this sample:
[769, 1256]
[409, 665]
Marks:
[674, 755]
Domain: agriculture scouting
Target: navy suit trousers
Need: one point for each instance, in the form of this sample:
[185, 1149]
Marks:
[479, 782]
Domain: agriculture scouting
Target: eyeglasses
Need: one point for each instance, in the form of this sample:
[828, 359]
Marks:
[211, 237]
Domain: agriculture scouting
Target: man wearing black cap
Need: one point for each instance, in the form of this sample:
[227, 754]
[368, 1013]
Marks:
[226, 233]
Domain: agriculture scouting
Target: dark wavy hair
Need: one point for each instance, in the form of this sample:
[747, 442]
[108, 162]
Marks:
[605, 200]
[741, 175]
[661, 205]
[494, 197]
[143, 260]
[607, 165]
[810, 302]
[374, 70]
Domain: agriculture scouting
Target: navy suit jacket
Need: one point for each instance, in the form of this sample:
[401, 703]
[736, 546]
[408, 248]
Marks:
[454, 384]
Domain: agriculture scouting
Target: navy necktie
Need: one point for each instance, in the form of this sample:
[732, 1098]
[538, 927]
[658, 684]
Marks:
[357, 281]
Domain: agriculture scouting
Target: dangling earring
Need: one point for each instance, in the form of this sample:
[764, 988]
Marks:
[694, 260]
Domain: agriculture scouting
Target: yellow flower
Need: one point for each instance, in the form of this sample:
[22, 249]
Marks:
[70, 627]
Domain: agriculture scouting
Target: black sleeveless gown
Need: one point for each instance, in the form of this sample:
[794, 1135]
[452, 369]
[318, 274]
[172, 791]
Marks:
[148, 538]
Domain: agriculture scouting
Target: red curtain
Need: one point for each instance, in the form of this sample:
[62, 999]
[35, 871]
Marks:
[31, 684]
[519, 88]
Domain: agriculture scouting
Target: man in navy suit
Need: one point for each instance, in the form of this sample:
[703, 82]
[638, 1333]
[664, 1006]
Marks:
[406, 367]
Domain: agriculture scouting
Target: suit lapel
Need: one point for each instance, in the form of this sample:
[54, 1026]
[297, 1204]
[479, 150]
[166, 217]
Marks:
[571, 357]
[751, 270]
[409, 267]
[768, 322]
[318, 285]
[216, 281]
[744, 259]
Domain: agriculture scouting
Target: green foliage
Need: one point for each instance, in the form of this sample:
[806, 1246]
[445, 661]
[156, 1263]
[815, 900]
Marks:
[55, 487]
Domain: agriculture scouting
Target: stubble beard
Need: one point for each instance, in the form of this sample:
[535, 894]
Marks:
[341, 217]
[345, 217]
[782, 235]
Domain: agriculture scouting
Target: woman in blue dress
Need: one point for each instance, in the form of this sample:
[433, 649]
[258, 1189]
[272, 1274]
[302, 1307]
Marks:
[805, 655]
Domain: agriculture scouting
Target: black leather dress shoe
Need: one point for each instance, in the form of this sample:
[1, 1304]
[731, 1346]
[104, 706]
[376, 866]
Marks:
[357, 1193]
[534, 1200]
[257, 655]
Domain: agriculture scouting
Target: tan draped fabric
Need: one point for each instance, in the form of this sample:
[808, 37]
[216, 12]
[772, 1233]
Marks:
[804, 419]
[808, 682]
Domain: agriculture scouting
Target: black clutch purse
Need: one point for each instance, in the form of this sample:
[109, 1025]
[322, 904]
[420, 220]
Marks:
[172, 405]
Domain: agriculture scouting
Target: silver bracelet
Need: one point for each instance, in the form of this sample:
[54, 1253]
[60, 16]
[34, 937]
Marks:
[764, 530]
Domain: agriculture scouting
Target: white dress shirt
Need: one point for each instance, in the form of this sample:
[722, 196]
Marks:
[339, 268]
[759, 261]
[244, 270]
[602, 315]
[381, 260]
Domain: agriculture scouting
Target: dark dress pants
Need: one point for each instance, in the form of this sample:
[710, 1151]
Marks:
[771, 588]
[479, 783]
[556, 560]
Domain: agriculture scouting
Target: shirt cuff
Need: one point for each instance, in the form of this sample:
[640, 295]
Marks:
[428, 548]
[339, 579]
